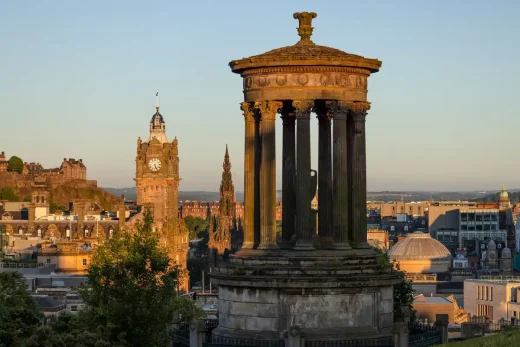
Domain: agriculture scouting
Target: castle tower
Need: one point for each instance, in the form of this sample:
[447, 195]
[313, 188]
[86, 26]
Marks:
[220, 234]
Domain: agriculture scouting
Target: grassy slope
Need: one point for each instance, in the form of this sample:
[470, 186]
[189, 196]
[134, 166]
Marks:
[503, 339]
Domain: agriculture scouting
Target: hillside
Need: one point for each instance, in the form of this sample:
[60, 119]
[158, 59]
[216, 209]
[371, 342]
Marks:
[502, 339]
[513, 196]
[61, 195]
[19, 188]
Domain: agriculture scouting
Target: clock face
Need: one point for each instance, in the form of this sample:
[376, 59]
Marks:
[154, 164]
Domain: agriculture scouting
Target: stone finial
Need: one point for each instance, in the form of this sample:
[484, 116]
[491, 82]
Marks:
[305, 26]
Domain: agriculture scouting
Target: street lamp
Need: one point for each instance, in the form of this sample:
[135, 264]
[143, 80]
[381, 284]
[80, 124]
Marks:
[1, 242]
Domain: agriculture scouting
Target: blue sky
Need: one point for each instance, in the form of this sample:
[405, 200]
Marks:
[78, 79]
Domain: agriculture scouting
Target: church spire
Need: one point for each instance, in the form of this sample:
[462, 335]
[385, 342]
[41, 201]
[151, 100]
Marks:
[227, 190]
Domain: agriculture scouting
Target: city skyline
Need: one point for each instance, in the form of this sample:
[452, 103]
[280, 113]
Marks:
[81, 81]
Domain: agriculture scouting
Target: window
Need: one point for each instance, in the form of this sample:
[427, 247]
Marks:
[48, 261]
[84, 262]
[73, 308]
[491, 294]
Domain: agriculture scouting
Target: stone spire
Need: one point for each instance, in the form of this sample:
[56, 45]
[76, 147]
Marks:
[227, 190]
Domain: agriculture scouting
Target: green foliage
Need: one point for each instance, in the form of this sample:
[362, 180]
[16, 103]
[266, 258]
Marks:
[195, 225]
[15, 164]
[403, 295]
[27, 198]
[9, 193]
[279, 227]
[19, 313]
[131, 296]
[501, 339]
[383, 261]
[186, 310]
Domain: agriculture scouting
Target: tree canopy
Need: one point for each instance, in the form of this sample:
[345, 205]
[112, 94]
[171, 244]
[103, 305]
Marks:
[19, 313]
[8, 193]
[15, 164]
[132, 289]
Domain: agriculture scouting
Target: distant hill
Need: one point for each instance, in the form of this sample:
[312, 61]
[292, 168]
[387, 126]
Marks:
[131, 194]
[513, 196]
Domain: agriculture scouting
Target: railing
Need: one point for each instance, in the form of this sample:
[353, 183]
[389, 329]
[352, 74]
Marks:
[21, 265]
[181, 337]
[423, 335]
[218, 341]
[379, 342]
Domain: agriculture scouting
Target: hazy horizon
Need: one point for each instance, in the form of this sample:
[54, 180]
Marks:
[79, 80]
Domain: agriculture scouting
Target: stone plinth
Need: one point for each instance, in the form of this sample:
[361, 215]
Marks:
[331, 295]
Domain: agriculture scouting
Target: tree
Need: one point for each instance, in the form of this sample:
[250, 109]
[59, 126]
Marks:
[132, 288]
[195, 225]
[9, 193]
[15, 164]
[19, 313]
[403, 290]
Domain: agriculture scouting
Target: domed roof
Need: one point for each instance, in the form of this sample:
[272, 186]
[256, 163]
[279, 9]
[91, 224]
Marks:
[491, 245]
[305, 52]
[504, 194]
[157, 115]
[506, 253]
[417, 246]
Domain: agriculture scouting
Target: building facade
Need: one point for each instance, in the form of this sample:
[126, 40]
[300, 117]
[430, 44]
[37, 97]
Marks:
[493, 298]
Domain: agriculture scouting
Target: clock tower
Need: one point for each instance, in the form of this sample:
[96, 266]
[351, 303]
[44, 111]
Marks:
[157, 171]
[157, 179]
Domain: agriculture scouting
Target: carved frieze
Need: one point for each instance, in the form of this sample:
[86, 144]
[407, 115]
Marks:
[326, 79]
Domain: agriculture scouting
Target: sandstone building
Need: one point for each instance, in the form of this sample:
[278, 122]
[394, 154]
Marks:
[3, 162]
[157, 179]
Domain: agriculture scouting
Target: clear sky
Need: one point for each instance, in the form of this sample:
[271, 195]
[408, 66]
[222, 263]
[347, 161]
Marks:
[78, 79]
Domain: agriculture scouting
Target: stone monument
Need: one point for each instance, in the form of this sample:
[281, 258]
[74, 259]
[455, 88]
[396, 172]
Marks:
[333, 289]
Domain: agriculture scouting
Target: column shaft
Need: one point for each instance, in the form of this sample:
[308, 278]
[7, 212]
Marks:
[249, 176]
[258, 162]
[324, 177]
[288, 176]
[303, 175]
[268, 111]
[340, 185]
[358, 183]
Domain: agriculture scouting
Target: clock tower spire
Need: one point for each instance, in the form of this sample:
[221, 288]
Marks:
[157, 125]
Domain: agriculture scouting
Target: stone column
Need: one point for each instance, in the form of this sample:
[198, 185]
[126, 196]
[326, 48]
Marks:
[324, 177]
[303, 175]
[249, 176]
[340, 185]
[268, 111]
[358, 174]
[288, 175]
[32, 216]
[122, 216]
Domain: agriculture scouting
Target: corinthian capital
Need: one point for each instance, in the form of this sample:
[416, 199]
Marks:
[268, 109]
[303, 108]
[359, 110]
[249, 112]
[339, 109]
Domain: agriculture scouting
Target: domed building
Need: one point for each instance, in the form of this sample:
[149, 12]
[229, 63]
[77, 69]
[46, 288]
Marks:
[503, 200]
[419, 253]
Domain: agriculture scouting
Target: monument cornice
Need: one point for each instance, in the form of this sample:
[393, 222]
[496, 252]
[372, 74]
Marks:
[303, 69]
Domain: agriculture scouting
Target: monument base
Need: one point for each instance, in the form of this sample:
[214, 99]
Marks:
[331, 295]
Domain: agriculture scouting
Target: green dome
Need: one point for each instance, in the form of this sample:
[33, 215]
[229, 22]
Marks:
[504, 194]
